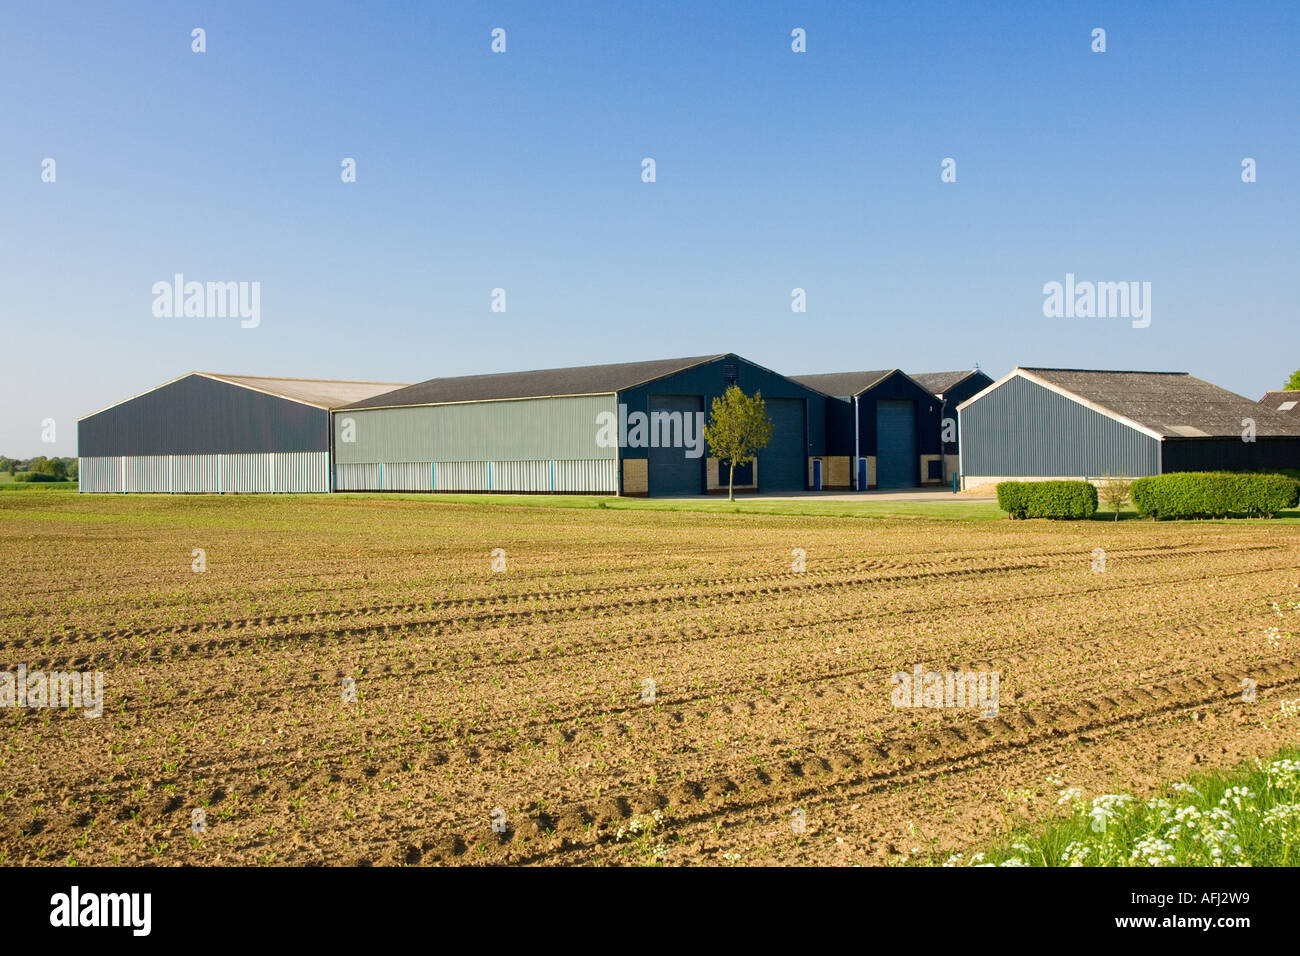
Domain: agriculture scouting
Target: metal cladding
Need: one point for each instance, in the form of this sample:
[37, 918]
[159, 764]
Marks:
[212, 434]
[1039, 422]
[898, 421]
[798, 412]
[539, 431]
[268, 473]
[197, 415]
[637, 428]
[1022, 428]
[525, 477]
[952, 388]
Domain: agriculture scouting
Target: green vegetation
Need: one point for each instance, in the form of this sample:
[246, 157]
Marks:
[1293, 383]
[1115, 491]
[39, 469]
[1047, 499]
[22, 482]
[1246, 817]
[737, 430]
[1214, 494]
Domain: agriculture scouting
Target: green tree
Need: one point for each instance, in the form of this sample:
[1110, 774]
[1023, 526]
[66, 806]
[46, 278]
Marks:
[1115, 490]
[8, 464]
[1294, 384]
[738, 429]
[54, 467]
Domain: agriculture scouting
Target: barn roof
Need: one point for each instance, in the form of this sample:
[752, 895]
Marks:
[844, 384]
[322, 392]
[1286, 402]
[1162, 404]
[541, 383]
[325, 393]
[940, 382]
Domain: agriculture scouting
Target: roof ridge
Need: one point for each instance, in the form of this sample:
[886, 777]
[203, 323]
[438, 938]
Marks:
[1102, 371]
[289, 378]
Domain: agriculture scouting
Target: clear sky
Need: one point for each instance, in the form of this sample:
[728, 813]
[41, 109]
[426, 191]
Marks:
[523, 171]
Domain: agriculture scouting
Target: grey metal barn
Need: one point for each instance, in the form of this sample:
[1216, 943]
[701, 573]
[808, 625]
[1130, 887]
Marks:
[573, 430]
[888, 423]
[210, 433]
[1080, 423]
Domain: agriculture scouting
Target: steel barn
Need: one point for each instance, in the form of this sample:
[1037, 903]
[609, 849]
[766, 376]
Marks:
[631, 428]
[207, 433]
[1082, 423]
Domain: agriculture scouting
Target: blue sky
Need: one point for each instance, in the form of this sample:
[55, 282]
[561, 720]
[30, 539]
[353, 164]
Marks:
[522, 171]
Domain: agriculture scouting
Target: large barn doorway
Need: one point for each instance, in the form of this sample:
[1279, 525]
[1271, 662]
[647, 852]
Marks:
[672, 473]
[896, 461]
[783, 464]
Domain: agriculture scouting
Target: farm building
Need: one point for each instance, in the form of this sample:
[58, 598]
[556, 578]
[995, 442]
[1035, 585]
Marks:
[952, 388]
[887, 422]
[1074, 423]
[1288, 403]
[632, 429]
[208, 433]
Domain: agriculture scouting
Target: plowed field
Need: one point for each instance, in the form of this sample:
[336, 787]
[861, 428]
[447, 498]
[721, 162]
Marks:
[504, 716]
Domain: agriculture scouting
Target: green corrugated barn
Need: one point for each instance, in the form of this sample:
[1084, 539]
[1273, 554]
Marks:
[631, 428]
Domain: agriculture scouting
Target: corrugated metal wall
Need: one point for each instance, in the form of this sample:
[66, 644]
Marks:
[1022, 428]
[963, 390]
[926, 427]
[196, 473]
[202, 416]
[590, 476]
[530, 445]
[710, 380]
[525, 430]
[99, 474]
[286, 472]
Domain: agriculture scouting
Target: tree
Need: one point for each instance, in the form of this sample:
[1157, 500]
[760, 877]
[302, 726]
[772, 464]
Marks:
[1114, 491]
[54, 467]
[8, 464]
[738, 428]
[1294, 384]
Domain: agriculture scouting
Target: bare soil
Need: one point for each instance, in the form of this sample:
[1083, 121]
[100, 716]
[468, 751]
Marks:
[523, 691]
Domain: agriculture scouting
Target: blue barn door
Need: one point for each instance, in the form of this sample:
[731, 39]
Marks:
[896, 461]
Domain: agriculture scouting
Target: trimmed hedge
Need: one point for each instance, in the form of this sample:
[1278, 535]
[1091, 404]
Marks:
[1047, 499]
[34, 476]
[1214, 494]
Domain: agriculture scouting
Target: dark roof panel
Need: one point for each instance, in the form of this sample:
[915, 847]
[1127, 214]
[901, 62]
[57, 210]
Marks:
[843, 384]
[940, 382]
[1174, 404]
[542, 383]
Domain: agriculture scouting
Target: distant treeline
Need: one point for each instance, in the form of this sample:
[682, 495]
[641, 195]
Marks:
[39, 468]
